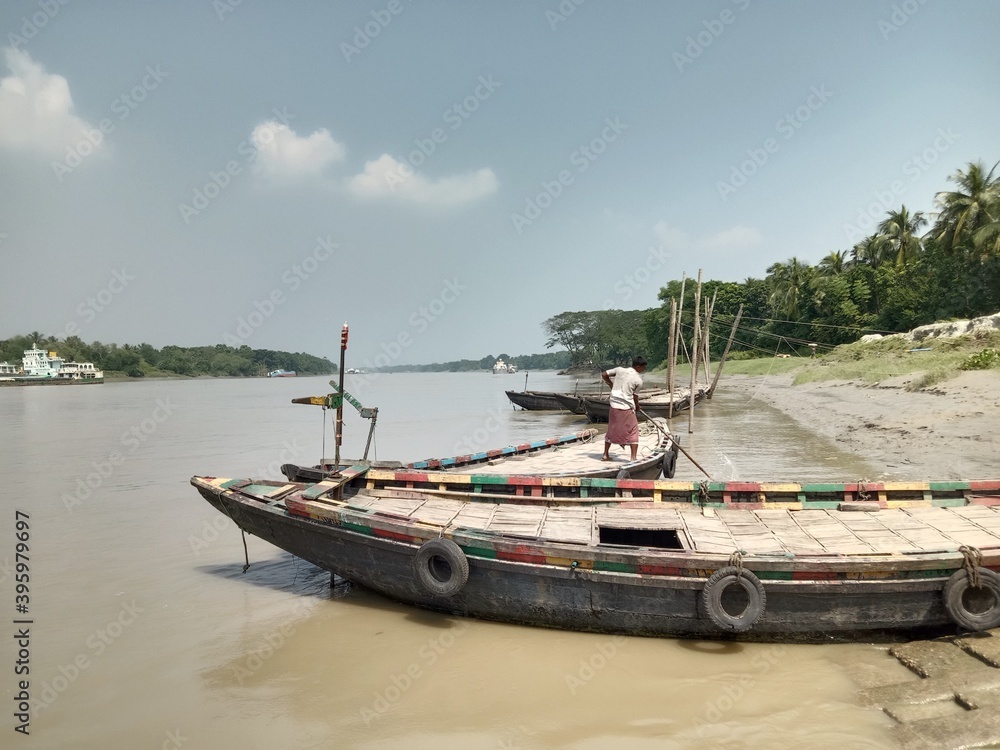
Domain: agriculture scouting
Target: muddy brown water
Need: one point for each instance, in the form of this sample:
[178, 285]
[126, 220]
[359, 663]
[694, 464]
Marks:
[146, 633]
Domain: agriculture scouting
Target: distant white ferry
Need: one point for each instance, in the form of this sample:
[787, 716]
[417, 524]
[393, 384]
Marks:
[42, 367]
[504, 367]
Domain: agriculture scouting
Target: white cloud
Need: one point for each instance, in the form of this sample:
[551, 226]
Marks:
[387, 177]
[733, 240]
[282, 153]
[36, 109]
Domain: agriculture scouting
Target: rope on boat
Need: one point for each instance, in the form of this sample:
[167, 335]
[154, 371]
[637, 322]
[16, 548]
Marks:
[736, 561]
[973, 562]
[862, 493]
[246, 555]
[703, 491]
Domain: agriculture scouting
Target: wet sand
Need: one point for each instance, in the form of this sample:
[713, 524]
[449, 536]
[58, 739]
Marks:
[948, 431]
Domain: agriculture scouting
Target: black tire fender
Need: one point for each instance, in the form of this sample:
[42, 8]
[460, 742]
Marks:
[954, 592]
[716, 585]
[668, 465]
[441, 566]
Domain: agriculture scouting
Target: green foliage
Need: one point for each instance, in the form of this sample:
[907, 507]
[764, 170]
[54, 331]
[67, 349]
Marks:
[136, 361]
[983, 360]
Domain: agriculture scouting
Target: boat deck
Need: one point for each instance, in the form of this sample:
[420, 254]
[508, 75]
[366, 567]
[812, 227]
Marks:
[570, 458]
[892, 531]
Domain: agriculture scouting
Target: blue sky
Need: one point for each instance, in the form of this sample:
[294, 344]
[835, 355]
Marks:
[447, 175]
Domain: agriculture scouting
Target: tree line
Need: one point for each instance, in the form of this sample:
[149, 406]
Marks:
[140, 360]
[548, 361]
[912, 270]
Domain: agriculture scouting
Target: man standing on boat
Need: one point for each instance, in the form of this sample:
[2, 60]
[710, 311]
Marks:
[623, 422]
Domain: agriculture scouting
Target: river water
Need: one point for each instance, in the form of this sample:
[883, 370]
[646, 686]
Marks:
[146, 633]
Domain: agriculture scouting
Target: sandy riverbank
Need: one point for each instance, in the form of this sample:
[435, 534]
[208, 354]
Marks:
[949, 431]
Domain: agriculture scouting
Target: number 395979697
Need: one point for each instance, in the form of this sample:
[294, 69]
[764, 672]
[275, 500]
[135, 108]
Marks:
[22, 571]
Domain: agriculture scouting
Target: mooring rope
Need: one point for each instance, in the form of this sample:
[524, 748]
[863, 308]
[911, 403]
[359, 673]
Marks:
[973, 561]
[246, 555]
[862, 493]
[736, 561]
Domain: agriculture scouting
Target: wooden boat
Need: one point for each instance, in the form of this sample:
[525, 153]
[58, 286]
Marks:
[571, 402]
[575, 455]
[656, 405]
[535, 400]
[784, 562]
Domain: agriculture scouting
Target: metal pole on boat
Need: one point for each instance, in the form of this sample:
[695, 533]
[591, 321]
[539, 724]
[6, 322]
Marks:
[340, 406]
[696, 325]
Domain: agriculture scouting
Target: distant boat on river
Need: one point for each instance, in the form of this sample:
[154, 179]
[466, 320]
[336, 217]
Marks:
[43, 367]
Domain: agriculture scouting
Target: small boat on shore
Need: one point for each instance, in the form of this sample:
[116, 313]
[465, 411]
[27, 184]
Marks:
[535, 400]
[749, 561]
[281, 374]
[655, 404]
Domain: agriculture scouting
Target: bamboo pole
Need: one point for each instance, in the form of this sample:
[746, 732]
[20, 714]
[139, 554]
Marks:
[725, 352]
[706, 337]
[696, 324]
[671, 351]
[678, 335]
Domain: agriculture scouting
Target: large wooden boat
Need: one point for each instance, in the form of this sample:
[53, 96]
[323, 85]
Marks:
[784, 562]
[576, 455]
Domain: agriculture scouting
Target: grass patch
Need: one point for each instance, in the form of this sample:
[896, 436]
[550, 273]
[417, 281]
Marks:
[931, 361]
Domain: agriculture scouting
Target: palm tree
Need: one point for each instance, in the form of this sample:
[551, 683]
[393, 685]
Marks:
[789, 286]
[900, 228]
[970, 214]
[870, 250]
[833, 264]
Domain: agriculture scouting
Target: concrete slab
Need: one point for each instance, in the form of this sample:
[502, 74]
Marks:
[970, 729]
[987, 649]
[932, 688]
[980, 699]
[931, 658]
[906, 713]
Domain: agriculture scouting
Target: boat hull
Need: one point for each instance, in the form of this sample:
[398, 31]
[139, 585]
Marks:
[531, 593]
[535, 400]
